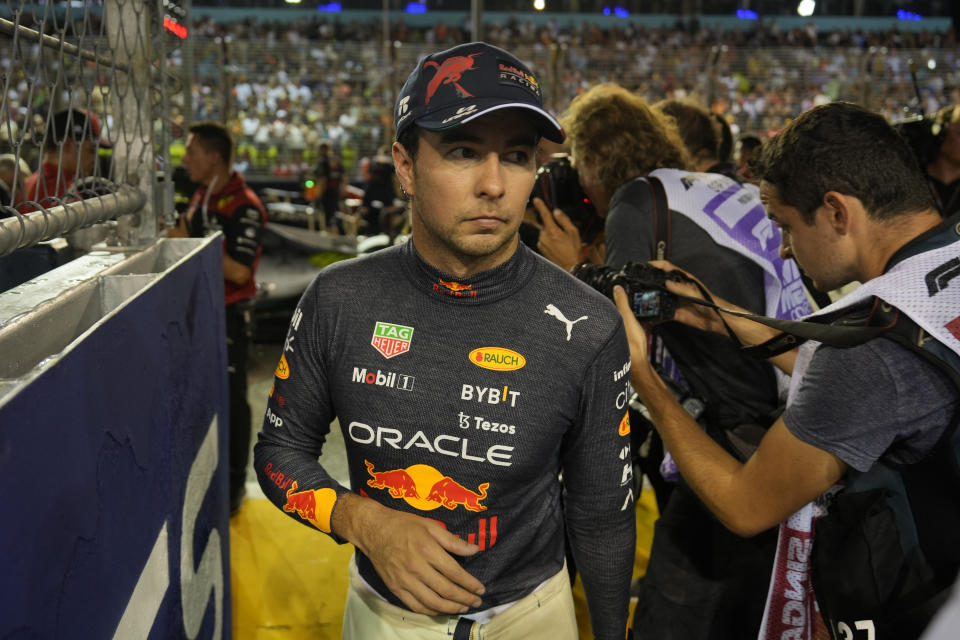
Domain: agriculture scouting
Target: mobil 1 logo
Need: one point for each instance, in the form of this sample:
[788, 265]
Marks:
[383, 378]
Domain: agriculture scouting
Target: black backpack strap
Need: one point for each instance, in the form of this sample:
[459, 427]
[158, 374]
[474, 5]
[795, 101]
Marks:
[661, 219]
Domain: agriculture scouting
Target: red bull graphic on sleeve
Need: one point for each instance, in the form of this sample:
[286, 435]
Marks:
[391, 339]
[314, 506]
[624, 429]
[425, 488]
[283, 369]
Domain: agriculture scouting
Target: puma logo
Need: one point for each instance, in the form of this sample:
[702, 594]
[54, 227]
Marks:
[556, 313]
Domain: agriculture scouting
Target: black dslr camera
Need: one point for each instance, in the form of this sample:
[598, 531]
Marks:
[558, 185]
[645, 285]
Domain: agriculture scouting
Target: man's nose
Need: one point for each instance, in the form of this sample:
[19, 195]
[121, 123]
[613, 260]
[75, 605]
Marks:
[490, 183]
[785, 251]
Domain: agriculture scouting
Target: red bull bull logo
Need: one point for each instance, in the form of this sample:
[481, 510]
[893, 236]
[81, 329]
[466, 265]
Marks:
[425, 488]
[451, 493]
[455, 289]
[283, 369]
[455, 286]
[397, 481]
[624, 429]
[314, 506]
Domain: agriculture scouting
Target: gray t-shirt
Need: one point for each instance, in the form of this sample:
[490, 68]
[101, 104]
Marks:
[879, 400]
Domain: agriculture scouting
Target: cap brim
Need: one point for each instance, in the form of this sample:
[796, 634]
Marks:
[451, 117]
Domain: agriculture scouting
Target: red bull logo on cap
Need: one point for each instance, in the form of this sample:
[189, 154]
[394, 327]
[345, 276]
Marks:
[425, 488]
[391, 339]
[450, 71]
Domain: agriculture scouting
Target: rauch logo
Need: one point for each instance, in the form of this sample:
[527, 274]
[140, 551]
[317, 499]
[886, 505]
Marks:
[497, 358]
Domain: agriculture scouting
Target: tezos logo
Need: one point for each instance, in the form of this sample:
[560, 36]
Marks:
[497, 359]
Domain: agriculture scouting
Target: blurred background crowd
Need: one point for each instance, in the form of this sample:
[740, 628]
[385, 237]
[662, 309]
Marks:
[283, 87]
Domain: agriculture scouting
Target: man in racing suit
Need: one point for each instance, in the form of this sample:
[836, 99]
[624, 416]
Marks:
[467, 374]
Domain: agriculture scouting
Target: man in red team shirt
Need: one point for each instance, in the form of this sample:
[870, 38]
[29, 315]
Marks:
[69, 151]
[224, 202]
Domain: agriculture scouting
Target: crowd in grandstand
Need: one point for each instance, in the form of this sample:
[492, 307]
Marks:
[284, 87]
[290, 85]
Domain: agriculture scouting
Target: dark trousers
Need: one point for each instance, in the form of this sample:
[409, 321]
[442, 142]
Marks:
[702, 581]
[237, 343]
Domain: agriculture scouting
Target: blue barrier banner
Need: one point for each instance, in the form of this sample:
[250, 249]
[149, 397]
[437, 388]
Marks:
[113, 473]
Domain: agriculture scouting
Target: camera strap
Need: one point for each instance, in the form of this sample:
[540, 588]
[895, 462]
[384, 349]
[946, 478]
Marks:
[850, 328]
[661, 218]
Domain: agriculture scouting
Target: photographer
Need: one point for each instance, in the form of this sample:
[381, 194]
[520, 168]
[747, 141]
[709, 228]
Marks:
[702, 581]
[571, 238]
[706, 136]
[878, 416]
[943, 172]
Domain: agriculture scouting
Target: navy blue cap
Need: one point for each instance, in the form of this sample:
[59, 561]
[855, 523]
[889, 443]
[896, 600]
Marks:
[452, 87]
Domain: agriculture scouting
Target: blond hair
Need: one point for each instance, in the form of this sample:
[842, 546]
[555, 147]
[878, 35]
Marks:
[618, 134]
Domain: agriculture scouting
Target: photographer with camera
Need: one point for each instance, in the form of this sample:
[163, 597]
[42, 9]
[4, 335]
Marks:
[943, 171]
[574, 233]
[873, 403]
[702, 581]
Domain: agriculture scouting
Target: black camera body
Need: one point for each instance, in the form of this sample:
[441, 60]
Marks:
[645, 285]
[558, 185]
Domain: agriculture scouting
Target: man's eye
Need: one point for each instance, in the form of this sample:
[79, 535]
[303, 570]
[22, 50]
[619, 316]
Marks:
[462, 153]
[518, 157]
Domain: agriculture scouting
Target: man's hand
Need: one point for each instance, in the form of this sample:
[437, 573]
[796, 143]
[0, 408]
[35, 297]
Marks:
[747, 331]
[413, 555]
[689, 313]
[560, 240]
[636, 336]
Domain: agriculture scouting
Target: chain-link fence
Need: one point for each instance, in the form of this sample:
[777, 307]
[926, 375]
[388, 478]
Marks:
[81, 133]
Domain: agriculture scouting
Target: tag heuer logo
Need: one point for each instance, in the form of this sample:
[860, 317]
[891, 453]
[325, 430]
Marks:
[391, 339]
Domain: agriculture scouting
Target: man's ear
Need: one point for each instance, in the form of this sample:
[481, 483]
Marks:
[404, 166]
[840, 210]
